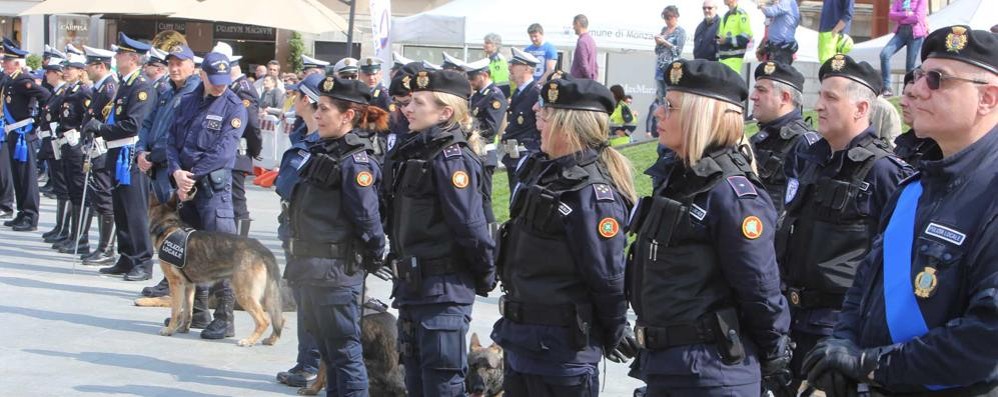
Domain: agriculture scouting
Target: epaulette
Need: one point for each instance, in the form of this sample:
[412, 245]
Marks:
[452, 151]
[742, 186]
[361, 157]
[603, 192]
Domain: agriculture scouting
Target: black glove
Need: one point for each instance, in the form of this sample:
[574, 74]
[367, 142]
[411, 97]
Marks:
[626, 348]
[485, 284]
[842, 356]
[775, 368]
[835, 384]
[372, 263]
[93, 125]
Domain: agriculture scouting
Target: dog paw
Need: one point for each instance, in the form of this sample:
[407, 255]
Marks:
[270, 341]
[184, 330]
[245, 343]
[165, 331]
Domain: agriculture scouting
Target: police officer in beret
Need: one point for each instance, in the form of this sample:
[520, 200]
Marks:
[703, 280]
[201, 151]
[17, 92]
[521, 137]
[70, 116]
[909, 146]
[400, 90]
[132, 103]
[48, 116]
[335, 228]
[562, 251]
[845, 182]
[921, 318]
[777, 99]
[444, 252]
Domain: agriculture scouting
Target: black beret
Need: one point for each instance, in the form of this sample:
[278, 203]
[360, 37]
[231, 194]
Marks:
[961, 43]
[345, 90]
[577, 94]
[445, 81]
[707, 78]
[861, 72]
[781, 72]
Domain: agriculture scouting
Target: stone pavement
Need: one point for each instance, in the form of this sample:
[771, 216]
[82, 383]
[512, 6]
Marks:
[72, 332]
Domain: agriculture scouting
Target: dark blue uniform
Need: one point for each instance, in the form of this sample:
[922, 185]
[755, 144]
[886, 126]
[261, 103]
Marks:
[334, 221]
[830, 223]
[156, 130]
[912, 149]
[562, 267]
[444, 253]
[380, 97]
[99, 185]
[6, 185]
[926, 293]
[703, 280]
[48, 114]
[488, 106]
[776, 147]
[249, 148]
[521, 130]
[70, 117]
[17, 93]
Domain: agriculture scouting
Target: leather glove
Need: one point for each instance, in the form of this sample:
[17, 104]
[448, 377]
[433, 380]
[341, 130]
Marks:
[835, 384]
[372, 263]
[775, 368]
[626, 348]
[94, 126]
[485, 284]
[842, 356]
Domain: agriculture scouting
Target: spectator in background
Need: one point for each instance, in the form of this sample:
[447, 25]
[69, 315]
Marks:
[584, 60]
[668, 47]
[261, 70]
[909, 15]
[705, 37]
[782, 18]
[272, 97]
[836, 18]
[622, 120]
[498, 66]
[885, 119]
[733, 36]
[543, 51]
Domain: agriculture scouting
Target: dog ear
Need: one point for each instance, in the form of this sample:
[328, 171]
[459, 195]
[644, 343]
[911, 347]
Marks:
[496, 348]
[475, 344]
[172, 202]
[153, 199]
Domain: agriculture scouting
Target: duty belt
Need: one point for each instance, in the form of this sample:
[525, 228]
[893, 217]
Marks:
[304, 248]
[804, 299]
[536, 313]
[692, 333]
[427, 267]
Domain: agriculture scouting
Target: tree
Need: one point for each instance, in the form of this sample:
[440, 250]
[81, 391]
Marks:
[34, 61]
[297, 48]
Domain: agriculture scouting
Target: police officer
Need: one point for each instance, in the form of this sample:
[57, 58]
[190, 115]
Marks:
[521, 138]
[99, 184]
[920, 318]
[152, 144]
[777, 99]
[733, 36]
[155, 70]
[909, 146]
[132, 103]
[488, 107]
[370, 73]
[562, 251]
[845, 182]
[398, 61]
[76, 99]
[201, 151]
[336, 198]
[48, 117]
[439, 230]
[401, 93]
[451, 63]
[703, 278]
[19, 127]
[346, 68]
[311, 65]
[6, 184]
[51, 69]
[250, 145]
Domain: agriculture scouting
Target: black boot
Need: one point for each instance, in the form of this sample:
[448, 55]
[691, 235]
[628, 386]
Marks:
[201, 316]
[158, 290]
[60, 222]
[80, 241]
[223, 326]
[16, 220]
[243, 226]
[104, 254]
[28, 224]
[140, 272]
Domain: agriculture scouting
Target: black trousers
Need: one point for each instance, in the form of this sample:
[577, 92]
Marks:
[99, 191]
[517, 384]
[239, 207]
[6, 183]
[72, 172]
[25, 178]
[131, 216]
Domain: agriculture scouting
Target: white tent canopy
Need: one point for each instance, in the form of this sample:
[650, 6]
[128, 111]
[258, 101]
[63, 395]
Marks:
[626, 26]
[978, 14]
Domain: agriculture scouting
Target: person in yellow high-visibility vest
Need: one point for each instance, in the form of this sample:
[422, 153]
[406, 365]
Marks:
[733, 36]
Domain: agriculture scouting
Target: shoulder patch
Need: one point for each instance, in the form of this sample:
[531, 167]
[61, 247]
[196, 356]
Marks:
[496, 105]
[752, 227]
[811, 137]
[143, 96]
[460, 179]
[246, 103]
[603, 192]
[235, 123]
[364, 179]
[742, 186]
[608, 227]
[361, 158]
[452, 151]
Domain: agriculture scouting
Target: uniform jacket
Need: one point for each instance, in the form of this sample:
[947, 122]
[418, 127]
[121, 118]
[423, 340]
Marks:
[156, 126]
[205, 132]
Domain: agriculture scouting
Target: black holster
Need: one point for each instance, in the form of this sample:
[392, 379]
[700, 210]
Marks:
[729, 342]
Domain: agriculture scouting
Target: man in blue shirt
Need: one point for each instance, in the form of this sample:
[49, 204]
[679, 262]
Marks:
[543, 51]
[782, 18]
[836, 18]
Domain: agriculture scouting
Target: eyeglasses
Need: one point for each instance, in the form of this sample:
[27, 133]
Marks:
[402, 104]
[934, 78]
[708, 8]
[668, 108]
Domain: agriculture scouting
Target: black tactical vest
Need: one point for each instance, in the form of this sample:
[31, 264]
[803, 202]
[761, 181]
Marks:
[912, 149]
[675, 274]
[771, 155]
[536, 264]
[828, 229]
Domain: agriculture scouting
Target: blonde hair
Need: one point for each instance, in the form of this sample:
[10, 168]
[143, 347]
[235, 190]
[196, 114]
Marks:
[461, 118]
[588, 129]
[707, 122]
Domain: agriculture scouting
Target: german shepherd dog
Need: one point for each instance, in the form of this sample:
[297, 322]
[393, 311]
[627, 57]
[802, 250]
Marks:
[214, 256]
[485, 369]
[379, 338]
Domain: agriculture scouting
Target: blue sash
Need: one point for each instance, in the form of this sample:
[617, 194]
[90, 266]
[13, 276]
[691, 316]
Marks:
[904, 317]
[21, 147]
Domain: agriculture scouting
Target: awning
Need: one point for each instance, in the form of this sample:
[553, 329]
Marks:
[308, 16]
[131, 7]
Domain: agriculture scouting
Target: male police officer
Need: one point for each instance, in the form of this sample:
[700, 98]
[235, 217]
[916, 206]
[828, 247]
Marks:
[777, 99]
[522, 137]
[488, 107]
[17, 93]
[346, 68]
[133, 101]
[70, 117]
[201, 151]
[370, 74]
[921, 318]
[909, 146]
[6, 185]
[845, 182]
[309, 65]
[48, 117]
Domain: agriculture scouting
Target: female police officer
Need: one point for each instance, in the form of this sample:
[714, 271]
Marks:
[439, 234]
[704, 259]
[335, 229]
[561, 256]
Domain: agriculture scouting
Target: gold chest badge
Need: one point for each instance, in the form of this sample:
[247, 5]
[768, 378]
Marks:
[926, 282]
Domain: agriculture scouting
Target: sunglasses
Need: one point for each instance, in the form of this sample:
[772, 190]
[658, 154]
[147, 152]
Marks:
[934, 78]
[708, 8]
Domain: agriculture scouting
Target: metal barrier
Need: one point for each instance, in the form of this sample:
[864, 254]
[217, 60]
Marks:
[274, 133]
